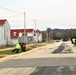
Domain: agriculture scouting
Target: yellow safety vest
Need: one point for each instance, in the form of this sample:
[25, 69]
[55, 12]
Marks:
[18, 46]
[73, 40]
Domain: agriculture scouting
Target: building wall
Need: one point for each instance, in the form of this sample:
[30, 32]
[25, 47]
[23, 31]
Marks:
[30, 38]
[1, 35]
[4, 34]
[14, 41]
[6, 28]
[40, 37]
[29, 34]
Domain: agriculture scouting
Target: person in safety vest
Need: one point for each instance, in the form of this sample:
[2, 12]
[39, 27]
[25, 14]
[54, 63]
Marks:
[73, 40]
[17, 48]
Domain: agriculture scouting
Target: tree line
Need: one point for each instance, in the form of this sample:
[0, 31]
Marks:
[65, 34]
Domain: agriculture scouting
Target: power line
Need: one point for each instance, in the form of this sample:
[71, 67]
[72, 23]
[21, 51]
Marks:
[9, 9]
[29, 17]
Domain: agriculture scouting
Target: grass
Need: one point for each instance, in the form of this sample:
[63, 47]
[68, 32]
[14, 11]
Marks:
[8, 46]
[9, 52]
[2, 56]
[28, 48]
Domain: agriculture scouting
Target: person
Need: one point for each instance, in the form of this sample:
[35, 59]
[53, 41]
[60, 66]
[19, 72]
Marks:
[17, 48]
[22, 47]
[73, 40]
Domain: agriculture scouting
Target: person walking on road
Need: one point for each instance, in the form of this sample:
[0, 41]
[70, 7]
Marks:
[17, 48]
[74, 41]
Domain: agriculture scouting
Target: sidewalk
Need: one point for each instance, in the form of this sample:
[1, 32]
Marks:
[7, 57]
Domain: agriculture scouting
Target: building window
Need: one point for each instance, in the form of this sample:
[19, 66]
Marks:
[30, 39]
[14, 33]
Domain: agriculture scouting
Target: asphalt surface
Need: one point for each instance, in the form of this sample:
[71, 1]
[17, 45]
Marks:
[63, 48]
[54, 59]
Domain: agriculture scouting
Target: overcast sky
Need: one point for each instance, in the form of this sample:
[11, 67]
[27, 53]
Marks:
[47, 13]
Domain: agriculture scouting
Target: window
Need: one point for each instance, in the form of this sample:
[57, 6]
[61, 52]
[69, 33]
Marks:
[14, 33]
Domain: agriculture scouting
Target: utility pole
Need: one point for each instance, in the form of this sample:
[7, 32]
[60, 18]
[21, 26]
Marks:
[35, 24]
[35, 30]
[47, 34]
[24, 28]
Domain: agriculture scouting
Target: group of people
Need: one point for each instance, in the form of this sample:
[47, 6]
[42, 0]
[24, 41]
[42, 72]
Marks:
[18, 47]
[74, 41]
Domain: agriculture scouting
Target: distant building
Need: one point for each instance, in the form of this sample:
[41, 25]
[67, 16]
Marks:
[31, 36]
[37, 36]
[4, 32]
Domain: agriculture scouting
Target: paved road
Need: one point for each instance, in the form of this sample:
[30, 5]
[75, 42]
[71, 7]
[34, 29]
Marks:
[53, 59]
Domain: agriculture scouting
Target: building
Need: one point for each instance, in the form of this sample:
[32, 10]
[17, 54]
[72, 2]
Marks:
[4, 32]
[37, 36]
[30, 37]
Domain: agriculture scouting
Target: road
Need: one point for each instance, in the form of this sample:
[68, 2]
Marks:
[53, 59]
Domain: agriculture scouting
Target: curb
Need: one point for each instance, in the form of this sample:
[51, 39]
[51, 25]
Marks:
[12, 56]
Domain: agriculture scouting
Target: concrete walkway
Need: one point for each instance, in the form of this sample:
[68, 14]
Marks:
[52, 45]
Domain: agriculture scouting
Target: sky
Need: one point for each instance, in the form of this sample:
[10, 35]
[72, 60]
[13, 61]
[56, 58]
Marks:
[47, 13]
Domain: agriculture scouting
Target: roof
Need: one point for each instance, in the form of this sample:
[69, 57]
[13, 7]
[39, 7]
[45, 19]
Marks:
[21, 30]
[37, 31]
[18, 31]
[2, 22]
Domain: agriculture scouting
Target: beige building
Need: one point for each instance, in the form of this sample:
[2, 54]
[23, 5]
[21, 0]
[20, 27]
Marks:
[4, 32]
